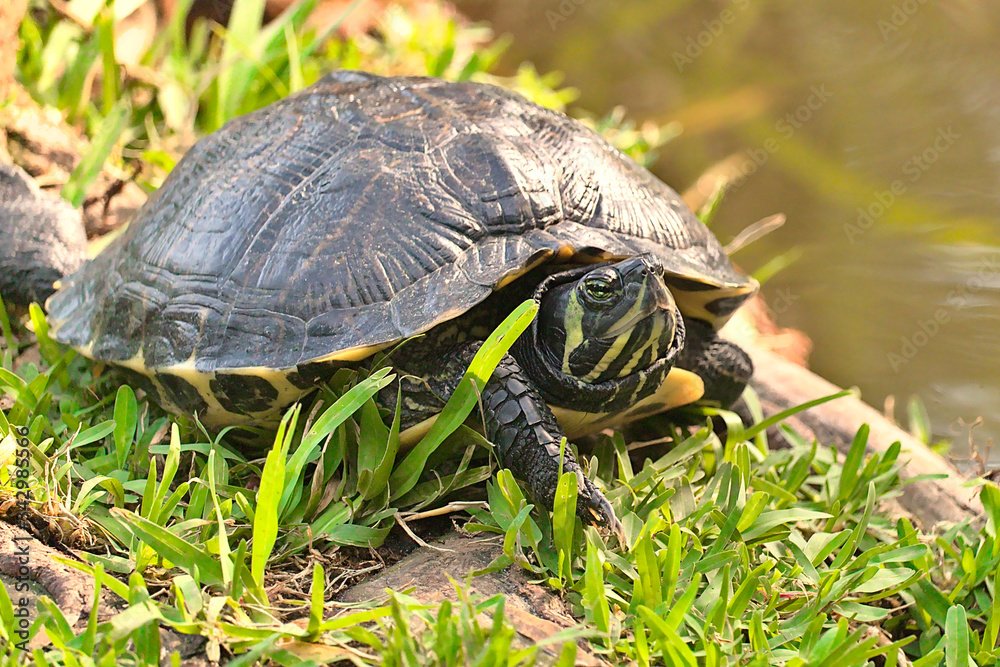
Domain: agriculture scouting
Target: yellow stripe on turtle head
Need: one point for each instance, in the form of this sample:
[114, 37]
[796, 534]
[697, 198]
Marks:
[620, 341]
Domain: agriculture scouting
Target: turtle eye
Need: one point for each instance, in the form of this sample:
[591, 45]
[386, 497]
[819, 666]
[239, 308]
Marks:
[599, 289]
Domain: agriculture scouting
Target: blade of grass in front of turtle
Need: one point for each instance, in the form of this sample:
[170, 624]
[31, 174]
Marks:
[650, 583]
[223, 548]
[377, 447]
[316, 602]
[17, 388]
[332, 417]
[48, 348]
[564, 524]
[428, 491]
[849, 474]
[465, 397]
[271, 491]
[337, 513]
[357, 536]
[170, 466]
[7, 609]
[594, 594]
[354, 618]
[57, 627]
[88, 638]
[174, 548]
[8, 443]
[126, 417]
[373, 443]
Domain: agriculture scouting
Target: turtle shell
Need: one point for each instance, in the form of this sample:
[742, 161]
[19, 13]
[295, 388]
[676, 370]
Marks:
[358, 212]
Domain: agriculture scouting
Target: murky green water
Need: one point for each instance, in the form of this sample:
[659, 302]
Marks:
[875, 126]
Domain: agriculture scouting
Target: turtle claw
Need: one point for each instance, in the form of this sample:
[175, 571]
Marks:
[610, 521]
[597, 511]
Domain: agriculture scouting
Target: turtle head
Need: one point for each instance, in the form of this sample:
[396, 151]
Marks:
[605, 334]
[610, 322]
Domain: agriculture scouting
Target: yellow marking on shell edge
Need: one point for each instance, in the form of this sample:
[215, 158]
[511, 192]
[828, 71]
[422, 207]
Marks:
[693, 304]
[86, 350]
[136, 363]
[217, 416]
[186, 370]
[514, 275]
[288, 393]
[565, 253]
[361, 352]
[680, 387]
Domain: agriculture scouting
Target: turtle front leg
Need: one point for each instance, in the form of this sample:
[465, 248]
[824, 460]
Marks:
[516, 420]
[527, 437]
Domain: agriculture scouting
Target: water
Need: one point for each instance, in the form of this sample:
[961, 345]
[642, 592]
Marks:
[875, 127]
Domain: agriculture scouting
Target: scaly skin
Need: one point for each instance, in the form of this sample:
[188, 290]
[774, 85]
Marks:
[527, 438]
[516, 419]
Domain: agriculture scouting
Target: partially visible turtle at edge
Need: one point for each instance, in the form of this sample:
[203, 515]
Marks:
[364, 210]
[42, 238]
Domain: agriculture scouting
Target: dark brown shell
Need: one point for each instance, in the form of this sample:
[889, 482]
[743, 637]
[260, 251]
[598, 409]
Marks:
[364, 210]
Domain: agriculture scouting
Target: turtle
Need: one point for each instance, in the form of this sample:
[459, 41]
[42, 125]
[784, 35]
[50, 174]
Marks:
[49, 241]
[364, 211]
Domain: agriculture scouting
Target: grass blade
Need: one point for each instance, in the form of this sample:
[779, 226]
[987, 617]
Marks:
[465, 397]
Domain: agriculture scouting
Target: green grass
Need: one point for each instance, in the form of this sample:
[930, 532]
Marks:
[735, 554]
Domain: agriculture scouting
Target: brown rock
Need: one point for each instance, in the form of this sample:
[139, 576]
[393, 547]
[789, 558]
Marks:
[535, 613]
